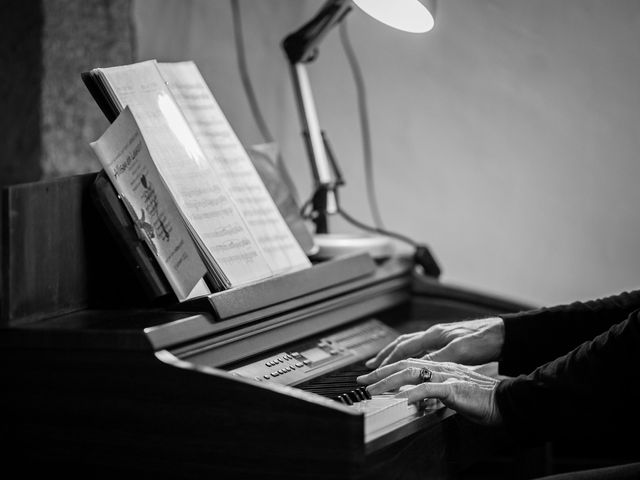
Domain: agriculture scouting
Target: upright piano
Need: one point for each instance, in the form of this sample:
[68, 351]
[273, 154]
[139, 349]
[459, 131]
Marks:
[251, 383]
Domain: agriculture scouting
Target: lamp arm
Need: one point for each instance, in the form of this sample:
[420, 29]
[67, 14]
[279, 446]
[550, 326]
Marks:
[323, 167]
[300, 46]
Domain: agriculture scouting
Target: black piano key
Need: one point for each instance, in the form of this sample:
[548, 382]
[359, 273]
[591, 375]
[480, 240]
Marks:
[365, 392]
[340, 384]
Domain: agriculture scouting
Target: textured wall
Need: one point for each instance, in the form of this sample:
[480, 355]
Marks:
[507, 138]
[47, 117]
[78, 36]
[20, 51]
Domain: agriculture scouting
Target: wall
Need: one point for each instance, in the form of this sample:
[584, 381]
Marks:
[507, 138]
[47, 117]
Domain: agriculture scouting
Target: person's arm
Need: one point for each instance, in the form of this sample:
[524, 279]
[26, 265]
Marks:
[521, 341]
[592, 390]
[535, 337]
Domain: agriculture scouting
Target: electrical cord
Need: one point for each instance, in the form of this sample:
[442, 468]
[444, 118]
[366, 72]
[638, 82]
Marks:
[244, 72]
[364, 122]
[369, 228]
[421, 255]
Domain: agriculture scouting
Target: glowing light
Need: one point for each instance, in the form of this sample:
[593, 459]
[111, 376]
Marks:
[408, 15]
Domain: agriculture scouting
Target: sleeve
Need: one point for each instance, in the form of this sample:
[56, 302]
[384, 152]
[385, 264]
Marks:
[592, 390]
[535, 337]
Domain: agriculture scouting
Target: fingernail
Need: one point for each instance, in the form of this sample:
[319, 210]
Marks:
[370, 363]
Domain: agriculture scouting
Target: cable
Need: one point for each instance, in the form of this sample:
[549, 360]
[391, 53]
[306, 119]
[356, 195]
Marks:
[421, 255]
[378, 230]
[364, 122]
[244, 72]
[307, 213]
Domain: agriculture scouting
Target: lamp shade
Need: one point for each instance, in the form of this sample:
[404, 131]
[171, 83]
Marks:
[408, 15]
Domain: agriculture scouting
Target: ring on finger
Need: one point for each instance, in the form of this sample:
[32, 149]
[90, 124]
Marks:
[425, 375]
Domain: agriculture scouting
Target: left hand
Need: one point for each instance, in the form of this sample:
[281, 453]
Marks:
[459, 387]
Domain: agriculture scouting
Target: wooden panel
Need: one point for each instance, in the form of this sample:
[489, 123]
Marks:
[41, 243]
[57, 256]
[126, 413]
[115, 409]
[78, 410]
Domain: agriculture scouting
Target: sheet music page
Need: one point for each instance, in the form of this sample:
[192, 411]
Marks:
[234, 166]
[126, 160]
[207, 207]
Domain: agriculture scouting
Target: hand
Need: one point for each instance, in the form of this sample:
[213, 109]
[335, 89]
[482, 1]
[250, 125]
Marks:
[460, 388]
[471, 342]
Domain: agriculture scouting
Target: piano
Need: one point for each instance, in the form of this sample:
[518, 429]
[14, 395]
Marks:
[257, 383]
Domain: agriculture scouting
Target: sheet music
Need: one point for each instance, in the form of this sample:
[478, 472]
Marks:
[211, 214]
[126, 160]
[233, 164]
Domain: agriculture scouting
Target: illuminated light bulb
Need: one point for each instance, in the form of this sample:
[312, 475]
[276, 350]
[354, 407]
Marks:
[408, 15]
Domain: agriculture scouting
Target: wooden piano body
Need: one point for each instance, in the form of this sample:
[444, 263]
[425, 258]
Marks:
[97, 382]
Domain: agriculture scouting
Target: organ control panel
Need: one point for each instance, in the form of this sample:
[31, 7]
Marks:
[318, 357]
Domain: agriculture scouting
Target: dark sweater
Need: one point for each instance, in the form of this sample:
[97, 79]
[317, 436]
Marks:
[585, 359]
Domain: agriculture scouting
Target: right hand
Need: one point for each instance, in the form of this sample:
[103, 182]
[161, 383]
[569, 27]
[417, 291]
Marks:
[459, 387]
[470, 342]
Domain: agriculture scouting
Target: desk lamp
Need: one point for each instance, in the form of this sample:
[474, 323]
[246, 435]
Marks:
[301, 47]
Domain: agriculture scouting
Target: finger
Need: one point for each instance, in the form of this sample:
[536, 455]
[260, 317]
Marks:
[467, 398]
[384, 353]
[460, 372]
[444, 370]
[440, 391]
[408, 376]
[405, 349]
[443, 367]
[453, 371]
[412, 345]
[383, 372]
[460, 350]
[454, 351]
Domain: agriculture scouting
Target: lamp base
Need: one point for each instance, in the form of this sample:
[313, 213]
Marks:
[332, 245]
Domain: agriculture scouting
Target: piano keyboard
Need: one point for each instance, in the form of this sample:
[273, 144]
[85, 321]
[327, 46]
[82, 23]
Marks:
[382, 413]
[340, 384]
[329, 366]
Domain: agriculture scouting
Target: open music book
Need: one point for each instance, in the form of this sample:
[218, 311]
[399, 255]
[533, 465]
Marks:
[169, 131]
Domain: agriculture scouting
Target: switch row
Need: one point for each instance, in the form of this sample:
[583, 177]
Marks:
[282, 359]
